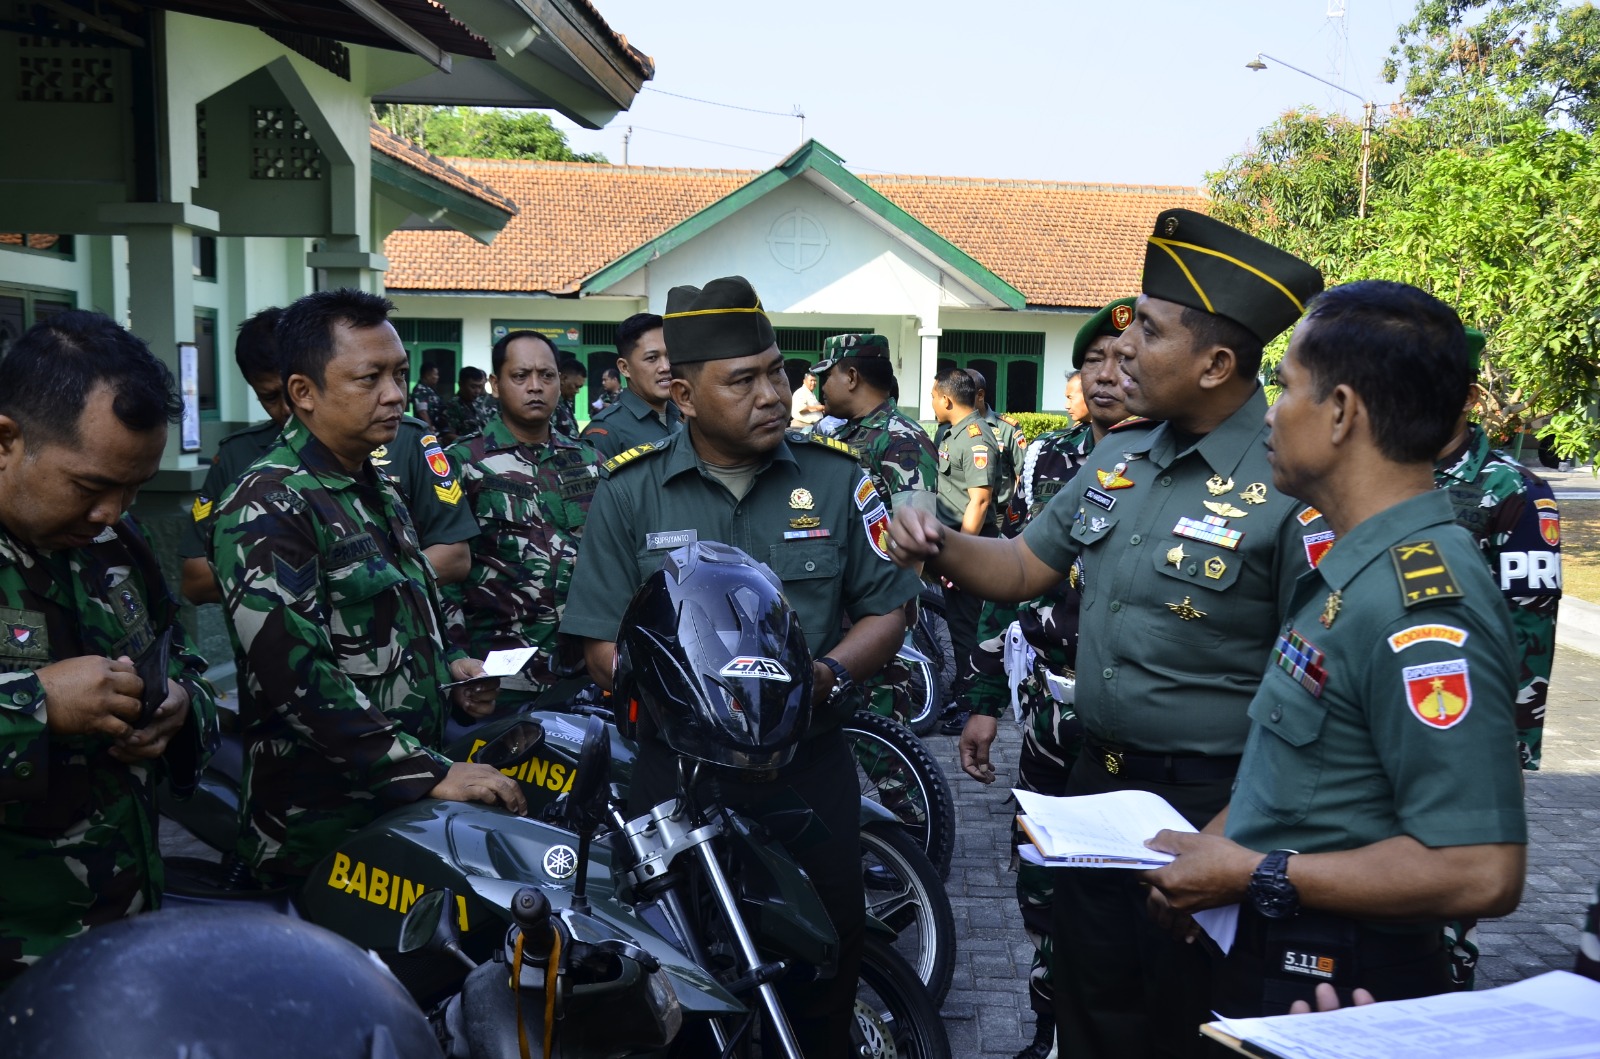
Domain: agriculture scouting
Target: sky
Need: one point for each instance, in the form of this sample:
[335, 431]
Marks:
[1129, 92]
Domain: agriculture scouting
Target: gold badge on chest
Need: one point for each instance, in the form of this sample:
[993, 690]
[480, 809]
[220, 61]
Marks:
[1216, 485]
[802, 499]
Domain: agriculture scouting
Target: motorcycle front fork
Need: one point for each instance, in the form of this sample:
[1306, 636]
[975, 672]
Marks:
[656, 840]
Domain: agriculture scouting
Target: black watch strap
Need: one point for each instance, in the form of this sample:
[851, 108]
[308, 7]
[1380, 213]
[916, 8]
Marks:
[841, 676]
[1270, 890]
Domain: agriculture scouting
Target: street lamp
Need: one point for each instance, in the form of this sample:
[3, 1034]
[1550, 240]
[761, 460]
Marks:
[1368, 107]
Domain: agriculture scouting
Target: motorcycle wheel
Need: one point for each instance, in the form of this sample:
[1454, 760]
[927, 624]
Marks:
[904, 890]
[896, 771]
[895, 1016]
[930, 683]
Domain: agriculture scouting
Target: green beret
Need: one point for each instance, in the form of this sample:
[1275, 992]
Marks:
[837, 347]
[1112, 319]
[1204, 264]
[722, 321]
[1476, 340]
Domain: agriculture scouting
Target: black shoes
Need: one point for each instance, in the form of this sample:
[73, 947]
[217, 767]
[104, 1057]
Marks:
[954, 719]
[1044, 1041]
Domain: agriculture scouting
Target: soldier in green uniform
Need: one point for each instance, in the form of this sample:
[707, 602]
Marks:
[1378, 796]
[802, 506]
[256, 352]
[645, 412]
[430, 485]
[332, 608]
[426, 404]
[530, 488]
[1013, 442]
[856, 380]
[1186, 559]
[1045, 630]
[471, 409]
[89, 638]
[610, 391]
[573, 377]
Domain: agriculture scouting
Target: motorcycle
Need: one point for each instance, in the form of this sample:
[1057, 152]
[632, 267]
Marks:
[452, 894]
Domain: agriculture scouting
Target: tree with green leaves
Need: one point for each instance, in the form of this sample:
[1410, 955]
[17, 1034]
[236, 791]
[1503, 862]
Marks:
[1535, 58]
[471, 132]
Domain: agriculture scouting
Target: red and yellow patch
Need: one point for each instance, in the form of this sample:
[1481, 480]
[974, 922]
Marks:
[1121, 317]
[876, 523]
[437, 462]
[1439, 693]
[865, 492]
[980, 457]
[1308, 516]
[1317, 545]
[1424, 633]
[1549, 521]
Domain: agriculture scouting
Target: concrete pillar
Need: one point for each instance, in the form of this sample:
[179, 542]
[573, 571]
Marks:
[930, 368]
[346, 262]
[161, 293]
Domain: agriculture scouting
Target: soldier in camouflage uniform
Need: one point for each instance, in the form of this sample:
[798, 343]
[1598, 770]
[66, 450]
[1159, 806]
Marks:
[530, 487]
[426, 404]
[1048, 625]
[85, 622]
[573, 376]
[471, 409]
[1511, 513]
[332, 608]
[256, 353]
[855, 379]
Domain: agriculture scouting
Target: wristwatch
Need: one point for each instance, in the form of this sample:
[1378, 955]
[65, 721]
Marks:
[842, 682]
[1270, 890]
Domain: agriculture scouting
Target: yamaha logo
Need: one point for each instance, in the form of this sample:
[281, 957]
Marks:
[751, 667]
[560, 862]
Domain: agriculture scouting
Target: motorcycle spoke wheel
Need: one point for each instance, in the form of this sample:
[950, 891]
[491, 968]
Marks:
[904, 890]
[896, 771]
[895, 1016]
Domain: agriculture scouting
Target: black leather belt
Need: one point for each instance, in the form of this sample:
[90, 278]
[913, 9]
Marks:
[1143, 767]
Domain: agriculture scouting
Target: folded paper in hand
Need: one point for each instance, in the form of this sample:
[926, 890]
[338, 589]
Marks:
[1109, 831]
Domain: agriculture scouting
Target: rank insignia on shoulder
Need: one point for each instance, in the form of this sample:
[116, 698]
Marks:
[1130, 423]
[1424, 575]
[628, 456]
[1308, 516]
[830, 443]
[974, 430]
[448, 494]
[201, 509]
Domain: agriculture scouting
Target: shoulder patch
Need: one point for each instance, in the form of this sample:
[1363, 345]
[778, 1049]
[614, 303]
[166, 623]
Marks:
[201, 510]
[284, 498]
[1308, 516]
[831, 443]
[1130, 423]
[1424, 575]
[1423, 633]
[628, 456]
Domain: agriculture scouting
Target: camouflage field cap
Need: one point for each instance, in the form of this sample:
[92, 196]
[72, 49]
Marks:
[1204, 264]
[1112, 319]
[721, 321]
[837, 347]
[1476, 340]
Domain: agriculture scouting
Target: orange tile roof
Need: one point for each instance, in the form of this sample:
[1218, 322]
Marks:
[1060, 244]
[436, 168]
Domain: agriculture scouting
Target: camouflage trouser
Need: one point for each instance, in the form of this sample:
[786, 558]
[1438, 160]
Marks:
[1461, 942]
[1588, 962]
[1051, 739]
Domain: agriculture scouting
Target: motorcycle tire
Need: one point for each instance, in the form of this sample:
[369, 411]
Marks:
[905, 891]
[895, 1016]
[896, 771]
[929, 686]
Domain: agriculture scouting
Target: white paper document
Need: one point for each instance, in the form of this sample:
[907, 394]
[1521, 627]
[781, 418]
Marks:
[1553, 1016]
[507, 663]
[1109, 831]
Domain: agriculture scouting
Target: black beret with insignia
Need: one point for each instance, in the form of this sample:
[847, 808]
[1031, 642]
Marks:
[721, 321]
[1204, 264]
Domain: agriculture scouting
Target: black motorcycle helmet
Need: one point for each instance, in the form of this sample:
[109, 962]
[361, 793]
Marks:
[715, 654]
[224, 983]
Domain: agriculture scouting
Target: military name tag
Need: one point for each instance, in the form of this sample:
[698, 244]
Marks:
[352, 549]
[669, 539]
[1096, 497]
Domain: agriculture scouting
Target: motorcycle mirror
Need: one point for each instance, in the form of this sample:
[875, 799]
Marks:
[513, 746]
[429, 928]
[586, 804]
